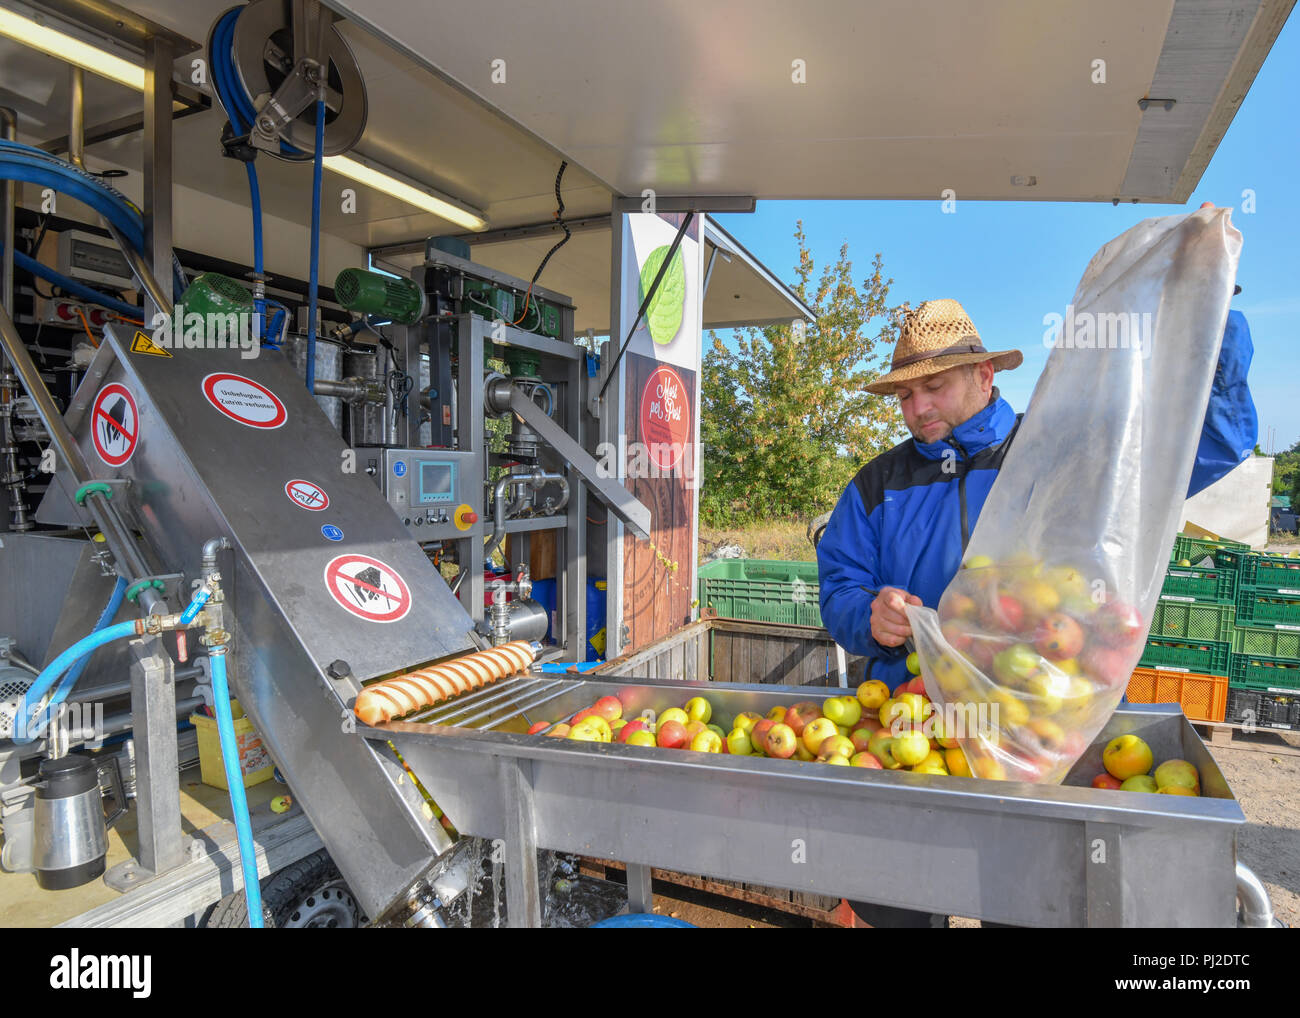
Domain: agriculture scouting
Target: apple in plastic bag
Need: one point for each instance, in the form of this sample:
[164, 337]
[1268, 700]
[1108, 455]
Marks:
[1118, 624]
[1059, 637]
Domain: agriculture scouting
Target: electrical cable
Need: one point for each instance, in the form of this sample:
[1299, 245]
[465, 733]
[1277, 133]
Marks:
[559, 218]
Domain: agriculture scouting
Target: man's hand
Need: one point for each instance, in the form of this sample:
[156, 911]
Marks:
[889, 625]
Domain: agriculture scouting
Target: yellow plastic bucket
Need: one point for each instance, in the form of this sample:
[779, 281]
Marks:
[254, 760]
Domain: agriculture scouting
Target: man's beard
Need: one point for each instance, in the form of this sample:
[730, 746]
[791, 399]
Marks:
[934, 436]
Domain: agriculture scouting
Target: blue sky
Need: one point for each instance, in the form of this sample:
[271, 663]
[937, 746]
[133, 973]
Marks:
[1012, 263]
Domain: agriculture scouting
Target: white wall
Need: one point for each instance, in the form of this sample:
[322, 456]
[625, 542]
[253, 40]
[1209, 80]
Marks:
[1236, 505]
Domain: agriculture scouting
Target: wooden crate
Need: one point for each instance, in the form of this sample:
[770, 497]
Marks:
[728, 650]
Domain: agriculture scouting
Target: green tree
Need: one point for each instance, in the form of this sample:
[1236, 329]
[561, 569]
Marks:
[1286, 473]
[785, 418]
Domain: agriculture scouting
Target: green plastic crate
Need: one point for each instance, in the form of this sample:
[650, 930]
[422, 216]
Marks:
[1193, 620]
[1264, 672]
[1201, 584]
[1205, 657]
[1196, 548]
[761, 590]
[1261, 607]
[1270, 572]
[1261, 641]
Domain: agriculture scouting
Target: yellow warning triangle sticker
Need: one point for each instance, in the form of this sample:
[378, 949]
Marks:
[143, 344]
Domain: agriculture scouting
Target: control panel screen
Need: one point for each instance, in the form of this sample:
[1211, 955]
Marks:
[437, 481]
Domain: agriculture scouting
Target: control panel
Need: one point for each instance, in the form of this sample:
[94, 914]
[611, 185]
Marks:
[431, 490]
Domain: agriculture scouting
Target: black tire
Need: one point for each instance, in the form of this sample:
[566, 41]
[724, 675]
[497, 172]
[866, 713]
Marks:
[309, 893]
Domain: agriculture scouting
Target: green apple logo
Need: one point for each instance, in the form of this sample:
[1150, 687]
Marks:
[664, 315]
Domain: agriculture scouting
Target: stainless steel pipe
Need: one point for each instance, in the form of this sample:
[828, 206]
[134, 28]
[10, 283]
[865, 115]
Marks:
[1256, 909]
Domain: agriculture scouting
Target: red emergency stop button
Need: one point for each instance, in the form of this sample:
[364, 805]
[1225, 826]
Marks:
[465, 517]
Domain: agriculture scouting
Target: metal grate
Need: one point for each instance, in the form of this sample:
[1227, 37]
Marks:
[11, 695]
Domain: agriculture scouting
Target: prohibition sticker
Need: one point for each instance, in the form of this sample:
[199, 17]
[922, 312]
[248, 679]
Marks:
[243, 400]
[115, 424]
[367, 588]
[307, 495]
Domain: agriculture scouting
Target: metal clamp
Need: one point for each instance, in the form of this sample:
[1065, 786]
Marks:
[90, 488]
[133, 591]
[159, 583]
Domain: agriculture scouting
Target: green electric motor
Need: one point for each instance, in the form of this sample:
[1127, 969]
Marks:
[391, 298]
[214, 294]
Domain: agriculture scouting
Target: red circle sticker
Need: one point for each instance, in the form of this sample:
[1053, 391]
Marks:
[369, 589]
[307, 495]
[115, 424]
[243, 400]
[665, 417]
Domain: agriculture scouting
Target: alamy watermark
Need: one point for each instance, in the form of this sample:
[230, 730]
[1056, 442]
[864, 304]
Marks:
[235, 330]
[1100, 330]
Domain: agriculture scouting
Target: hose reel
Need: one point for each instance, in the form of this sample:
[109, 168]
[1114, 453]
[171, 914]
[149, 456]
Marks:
[269, 60]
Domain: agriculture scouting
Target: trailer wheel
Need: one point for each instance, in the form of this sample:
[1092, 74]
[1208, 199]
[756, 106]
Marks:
[308, 894]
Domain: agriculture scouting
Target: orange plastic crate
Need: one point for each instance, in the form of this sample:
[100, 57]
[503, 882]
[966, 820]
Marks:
[1203, 697]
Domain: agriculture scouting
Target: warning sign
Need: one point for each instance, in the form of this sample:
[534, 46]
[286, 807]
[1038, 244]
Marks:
[307, 495]
[368, 588]
[115, 424]
[243, 400]
[141, 343]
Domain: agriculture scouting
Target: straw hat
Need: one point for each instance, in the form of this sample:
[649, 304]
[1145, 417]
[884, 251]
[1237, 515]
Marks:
[937, 336]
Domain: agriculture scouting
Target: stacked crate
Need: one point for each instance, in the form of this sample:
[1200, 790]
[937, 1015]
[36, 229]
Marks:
[1231, 617]
[1188, 654]
[1264, 667]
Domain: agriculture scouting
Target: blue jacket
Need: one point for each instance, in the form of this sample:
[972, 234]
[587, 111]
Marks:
[904, 521]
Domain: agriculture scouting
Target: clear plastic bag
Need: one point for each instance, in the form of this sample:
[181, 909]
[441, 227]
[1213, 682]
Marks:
[1035, 639]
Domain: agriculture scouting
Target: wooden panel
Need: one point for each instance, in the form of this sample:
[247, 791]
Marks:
[656, 573]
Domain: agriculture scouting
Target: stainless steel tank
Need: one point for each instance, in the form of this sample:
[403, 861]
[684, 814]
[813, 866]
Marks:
[367, 418]
[329, 358]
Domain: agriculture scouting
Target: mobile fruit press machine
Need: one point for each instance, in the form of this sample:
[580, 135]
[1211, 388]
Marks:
[219, 482]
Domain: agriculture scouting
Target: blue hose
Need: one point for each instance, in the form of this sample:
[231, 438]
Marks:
[75, 656]
[105, 617]
[51, 673]
[32, 165]
[235, 779]
[37, 689]
[315, 245]
[72, 287]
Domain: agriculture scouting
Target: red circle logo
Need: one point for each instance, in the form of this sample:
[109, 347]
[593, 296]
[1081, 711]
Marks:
[243, 400]
[115, 424]
[665, 417]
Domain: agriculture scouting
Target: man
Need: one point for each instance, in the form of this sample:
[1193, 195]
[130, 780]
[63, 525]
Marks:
[900, 528]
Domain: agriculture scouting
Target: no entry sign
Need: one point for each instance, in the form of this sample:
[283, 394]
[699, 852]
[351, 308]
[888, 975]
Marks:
[368, 588]
[115, 424]
[243, 400]
[307, 495]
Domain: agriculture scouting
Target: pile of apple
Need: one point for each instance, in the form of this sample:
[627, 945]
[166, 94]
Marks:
[872, 729]
[1128, 761]
[1042, 646]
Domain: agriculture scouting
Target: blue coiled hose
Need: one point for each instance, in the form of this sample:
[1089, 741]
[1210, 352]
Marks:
[239, 108]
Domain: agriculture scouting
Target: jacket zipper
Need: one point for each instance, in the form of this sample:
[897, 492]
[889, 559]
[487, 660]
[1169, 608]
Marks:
[961, 494]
